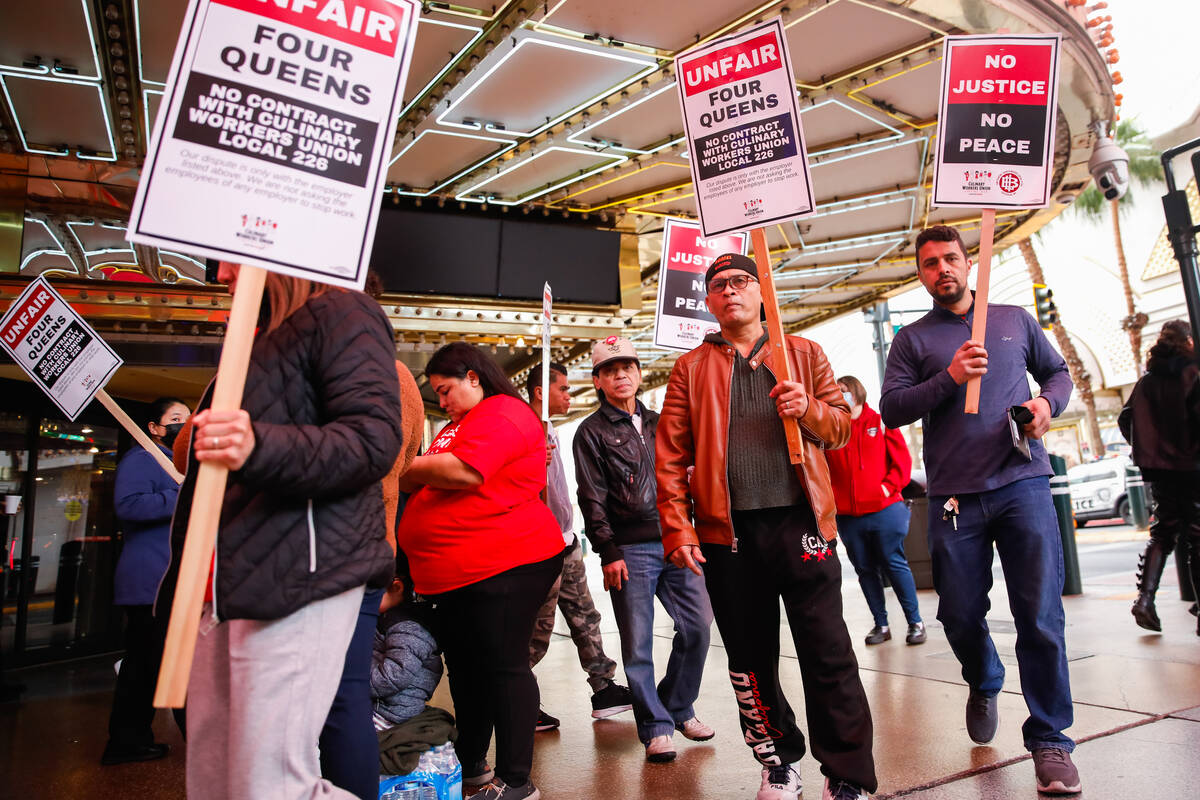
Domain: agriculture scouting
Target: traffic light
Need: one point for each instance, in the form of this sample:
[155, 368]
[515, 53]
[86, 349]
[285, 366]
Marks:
[1043, 302]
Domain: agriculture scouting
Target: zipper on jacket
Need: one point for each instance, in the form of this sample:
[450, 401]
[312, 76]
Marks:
[728, 493]
[215, 619]
[312, 539]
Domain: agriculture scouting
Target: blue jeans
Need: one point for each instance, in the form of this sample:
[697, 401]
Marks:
[658, 709]
[1020, 520]
[887, 527]
[349, 745]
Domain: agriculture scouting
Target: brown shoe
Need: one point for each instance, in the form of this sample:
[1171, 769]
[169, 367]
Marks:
[1056, 774]
[660, 749]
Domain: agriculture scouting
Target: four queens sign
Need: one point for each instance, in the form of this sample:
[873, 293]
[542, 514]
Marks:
[57, 349]
[270, 146]
[749, 162]
[996, 122]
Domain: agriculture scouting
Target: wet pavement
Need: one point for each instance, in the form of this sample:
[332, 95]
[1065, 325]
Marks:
[1136, 696]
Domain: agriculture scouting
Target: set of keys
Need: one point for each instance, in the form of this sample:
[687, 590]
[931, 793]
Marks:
[950, 512]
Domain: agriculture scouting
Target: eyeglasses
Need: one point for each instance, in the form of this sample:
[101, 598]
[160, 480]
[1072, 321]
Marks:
[739, 282]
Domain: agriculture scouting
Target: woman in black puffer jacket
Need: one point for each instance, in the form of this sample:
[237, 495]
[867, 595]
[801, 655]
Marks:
[1161, 420]
[301, 534]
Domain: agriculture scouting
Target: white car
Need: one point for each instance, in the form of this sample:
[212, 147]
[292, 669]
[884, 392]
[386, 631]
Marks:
[1098, 490]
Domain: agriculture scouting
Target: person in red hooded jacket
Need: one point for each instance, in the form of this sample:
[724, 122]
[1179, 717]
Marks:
[867, 476]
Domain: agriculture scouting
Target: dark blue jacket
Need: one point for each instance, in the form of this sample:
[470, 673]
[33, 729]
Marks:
[967, 453]
[144, 501]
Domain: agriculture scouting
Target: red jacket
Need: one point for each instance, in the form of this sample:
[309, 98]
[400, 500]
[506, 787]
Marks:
[875, 457]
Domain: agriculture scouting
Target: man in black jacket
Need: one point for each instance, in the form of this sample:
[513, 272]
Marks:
[614, 467]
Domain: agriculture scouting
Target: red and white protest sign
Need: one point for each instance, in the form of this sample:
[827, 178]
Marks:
[271, 145]
[748, 158]
[996, 121]
[683, 318]
[57, 349]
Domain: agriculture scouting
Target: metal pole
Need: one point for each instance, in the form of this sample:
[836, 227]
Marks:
[26, 587]
[1060, 492]
[880, 316]
[1182, 231]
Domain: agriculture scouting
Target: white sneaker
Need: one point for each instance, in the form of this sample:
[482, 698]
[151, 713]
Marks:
[660, 749]
[780, 783]
[696, 730]
[840, 790]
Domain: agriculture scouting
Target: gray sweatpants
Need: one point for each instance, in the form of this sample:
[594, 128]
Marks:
[257, 698]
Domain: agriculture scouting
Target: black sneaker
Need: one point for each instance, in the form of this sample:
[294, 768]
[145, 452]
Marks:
[983, 717]
[611, 700]
[879, 634]
[127, 755]
[545, 722]
[499, 790]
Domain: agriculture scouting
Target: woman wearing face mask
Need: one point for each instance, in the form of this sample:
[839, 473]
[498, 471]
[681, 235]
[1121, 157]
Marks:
[867, 476]
[144, 501]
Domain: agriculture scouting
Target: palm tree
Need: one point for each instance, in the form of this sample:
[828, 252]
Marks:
[1079, 374]
[1144, 169]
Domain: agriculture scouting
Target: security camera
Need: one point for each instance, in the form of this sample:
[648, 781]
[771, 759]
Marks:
[1109, 166]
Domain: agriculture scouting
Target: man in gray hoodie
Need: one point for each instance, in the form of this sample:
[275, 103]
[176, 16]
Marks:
[989, 486]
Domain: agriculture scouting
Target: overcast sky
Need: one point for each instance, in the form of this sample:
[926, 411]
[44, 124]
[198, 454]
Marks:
[1159, 42]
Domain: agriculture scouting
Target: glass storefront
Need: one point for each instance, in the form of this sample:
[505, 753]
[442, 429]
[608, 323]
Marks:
[58, 535]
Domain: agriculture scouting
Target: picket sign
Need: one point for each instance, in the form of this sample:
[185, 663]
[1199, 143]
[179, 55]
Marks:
[66, 358]
[547, 311]
[748, 158]
[267, 209]
[207, 498]
[996, 128]
[783, 364]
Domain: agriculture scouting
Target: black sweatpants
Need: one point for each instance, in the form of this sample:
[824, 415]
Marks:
[780, 555]
[484, 631]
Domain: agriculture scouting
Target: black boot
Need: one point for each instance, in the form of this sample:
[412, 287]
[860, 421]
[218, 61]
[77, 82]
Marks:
[1150, 569]
[1193, 546]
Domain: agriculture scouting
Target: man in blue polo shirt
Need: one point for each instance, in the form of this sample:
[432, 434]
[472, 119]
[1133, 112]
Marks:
[986, 489]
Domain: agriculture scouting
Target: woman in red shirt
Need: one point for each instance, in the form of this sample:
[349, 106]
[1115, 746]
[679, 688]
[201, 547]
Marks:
[867, 476]
[485, 550]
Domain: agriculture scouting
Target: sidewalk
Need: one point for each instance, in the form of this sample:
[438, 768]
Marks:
[1136, 694]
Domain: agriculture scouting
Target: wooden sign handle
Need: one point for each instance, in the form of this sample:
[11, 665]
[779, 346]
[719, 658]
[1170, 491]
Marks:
[766, 280]
[139, 435]
[196, 562]
[983, 280]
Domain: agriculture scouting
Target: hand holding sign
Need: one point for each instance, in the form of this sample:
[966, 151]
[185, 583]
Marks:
[995, 138]
[224, 438]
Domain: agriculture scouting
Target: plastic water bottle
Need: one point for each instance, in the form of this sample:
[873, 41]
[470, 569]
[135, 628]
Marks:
[411, 790]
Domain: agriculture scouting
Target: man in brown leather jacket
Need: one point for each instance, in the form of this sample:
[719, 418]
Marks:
[759, 529]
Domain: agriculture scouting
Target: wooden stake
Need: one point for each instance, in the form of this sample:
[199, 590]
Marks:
[196, 562]
[983, 280]
[138, 434]
[766, 280]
